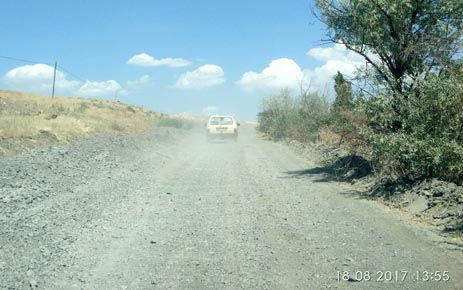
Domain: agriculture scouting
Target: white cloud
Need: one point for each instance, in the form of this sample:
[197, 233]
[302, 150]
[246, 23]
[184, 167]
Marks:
[280, 73]
[105, 88]
[335, 58]
[38, 78]
[210, 110]
[138, 83]
[205, 76]
[147, 60]
[337, 51]
[284, 72]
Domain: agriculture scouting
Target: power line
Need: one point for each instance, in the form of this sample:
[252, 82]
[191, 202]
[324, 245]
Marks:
[42, 62]
[23, 60]
[70, 73]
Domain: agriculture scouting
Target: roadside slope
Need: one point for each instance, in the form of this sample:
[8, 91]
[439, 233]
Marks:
[437, 203]
[29, 120]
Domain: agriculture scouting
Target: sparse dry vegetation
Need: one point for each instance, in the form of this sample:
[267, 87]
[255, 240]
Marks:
[45, 120]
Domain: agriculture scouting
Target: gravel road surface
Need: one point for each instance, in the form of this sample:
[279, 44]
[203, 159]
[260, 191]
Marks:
[168, 210]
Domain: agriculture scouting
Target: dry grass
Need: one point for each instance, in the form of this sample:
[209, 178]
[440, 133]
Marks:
[25, 115]
[63, 128]
[328, 137]
[348, 140]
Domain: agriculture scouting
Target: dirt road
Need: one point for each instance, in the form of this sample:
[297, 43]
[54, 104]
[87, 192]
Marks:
[167, 210]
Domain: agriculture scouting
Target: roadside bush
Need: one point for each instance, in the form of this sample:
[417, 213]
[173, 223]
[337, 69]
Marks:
[342, 129]
[279, 115]
[285, 116]
[429, 140]
[175, 123]
[82, 108]
[314, 111]
[418, 135]
[58, 108]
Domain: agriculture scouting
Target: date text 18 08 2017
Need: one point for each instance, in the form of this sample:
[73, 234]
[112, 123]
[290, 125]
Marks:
[391, 276]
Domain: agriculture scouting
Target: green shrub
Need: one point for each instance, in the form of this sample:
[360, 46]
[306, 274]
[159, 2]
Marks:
[428, 142]
[285, 116]
[175, 123]
[279, 115]
[418, 135]
[82, 108]
[58, 108]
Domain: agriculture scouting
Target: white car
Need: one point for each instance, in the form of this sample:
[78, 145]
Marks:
[222, 127]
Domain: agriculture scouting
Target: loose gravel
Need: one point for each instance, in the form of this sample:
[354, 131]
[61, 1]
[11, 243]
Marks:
[168, 210]
[49, 195]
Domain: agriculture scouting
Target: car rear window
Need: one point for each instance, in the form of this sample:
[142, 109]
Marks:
[221, 121]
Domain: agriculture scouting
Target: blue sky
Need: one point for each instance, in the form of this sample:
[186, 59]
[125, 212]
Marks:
[198, 57]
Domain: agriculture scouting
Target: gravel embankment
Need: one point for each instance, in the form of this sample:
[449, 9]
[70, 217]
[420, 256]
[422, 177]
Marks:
[435, 202]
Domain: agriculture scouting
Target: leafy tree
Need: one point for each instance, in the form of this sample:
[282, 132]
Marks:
[402, 40]
[344, 99]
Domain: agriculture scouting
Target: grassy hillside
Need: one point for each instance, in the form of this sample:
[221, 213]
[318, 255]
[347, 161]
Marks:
[28, 120]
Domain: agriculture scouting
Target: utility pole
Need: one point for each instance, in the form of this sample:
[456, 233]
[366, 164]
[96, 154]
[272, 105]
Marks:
[54, 80]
